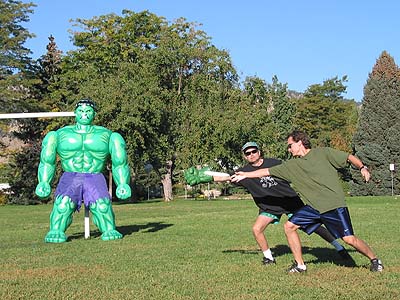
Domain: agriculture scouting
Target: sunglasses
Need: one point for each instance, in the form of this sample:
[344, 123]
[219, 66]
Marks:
[248, 153]
[289, 146]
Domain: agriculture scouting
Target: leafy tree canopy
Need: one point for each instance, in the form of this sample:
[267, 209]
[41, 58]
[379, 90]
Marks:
[15, 63]
[325, 115]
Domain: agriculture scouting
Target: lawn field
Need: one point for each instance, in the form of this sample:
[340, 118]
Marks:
[192, 249]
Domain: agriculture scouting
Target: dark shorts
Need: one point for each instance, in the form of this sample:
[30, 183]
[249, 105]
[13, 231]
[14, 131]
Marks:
[276, 217]
[275, 207]
[82, 186]
[337, 221]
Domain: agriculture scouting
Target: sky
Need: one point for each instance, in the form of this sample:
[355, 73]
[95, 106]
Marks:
[300, 42]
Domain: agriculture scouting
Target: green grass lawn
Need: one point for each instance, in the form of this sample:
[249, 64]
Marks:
[192, 249]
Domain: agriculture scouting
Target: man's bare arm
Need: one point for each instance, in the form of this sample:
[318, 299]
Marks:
[238, 176]
[356, 162]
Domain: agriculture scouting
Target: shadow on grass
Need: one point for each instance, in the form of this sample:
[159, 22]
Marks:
[242, 251]
[126, 230]
[322, 255]
[118, 202]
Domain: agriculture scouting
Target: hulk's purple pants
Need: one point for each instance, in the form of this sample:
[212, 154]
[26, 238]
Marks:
[86, 187]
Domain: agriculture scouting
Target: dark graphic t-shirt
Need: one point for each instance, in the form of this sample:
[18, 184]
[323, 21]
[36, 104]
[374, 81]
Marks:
[271, 194]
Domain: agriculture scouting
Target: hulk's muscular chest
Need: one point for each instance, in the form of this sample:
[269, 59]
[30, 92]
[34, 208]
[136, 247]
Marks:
[96, 141]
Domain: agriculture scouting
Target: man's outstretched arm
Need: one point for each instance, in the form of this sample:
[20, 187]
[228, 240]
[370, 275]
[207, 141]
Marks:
[238, 176]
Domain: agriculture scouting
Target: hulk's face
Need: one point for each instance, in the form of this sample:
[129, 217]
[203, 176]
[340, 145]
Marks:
[84, 114]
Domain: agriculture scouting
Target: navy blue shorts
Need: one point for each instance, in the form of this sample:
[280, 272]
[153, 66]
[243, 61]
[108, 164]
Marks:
[337, 221]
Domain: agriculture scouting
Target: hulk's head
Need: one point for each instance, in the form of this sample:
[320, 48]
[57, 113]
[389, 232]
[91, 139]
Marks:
[85, 111]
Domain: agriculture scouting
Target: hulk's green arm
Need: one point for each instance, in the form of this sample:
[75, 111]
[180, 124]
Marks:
[47, 165]
[119, 160]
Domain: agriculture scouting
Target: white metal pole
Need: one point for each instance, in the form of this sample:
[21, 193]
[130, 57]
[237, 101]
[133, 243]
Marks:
[110, 180]
[87, 223]
[391, 168]
[38, 115]
[392, 184]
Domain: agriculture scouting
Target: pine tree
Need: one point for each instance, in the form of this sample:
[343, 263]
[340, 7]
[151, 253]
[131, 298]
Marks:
[49, 67]
[377, 136]
[25, 162]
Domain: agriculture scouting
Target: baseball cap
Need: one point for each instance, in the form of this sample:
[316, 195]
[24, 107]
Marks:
[250, 144]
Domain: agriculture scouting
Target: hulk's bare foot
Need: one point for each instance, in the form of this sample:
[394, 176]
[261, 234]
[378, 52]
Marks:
[111, 235]
[55, 236]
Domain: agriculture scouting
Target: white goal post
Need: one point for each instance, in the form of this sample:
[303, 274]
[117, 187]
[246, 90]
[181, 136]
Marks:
[37, 115]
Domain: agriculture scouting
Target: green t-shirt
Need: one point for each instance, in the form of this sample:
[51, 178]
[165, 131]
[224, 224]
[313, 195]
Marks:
[314, 177]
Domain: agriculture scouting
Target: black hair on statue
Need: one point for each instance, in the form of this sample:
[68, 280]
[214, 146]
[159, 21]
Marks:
[86, 102]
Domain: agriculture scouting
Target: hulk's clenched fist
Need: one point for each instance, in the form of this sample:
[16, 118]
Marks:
[195, 176]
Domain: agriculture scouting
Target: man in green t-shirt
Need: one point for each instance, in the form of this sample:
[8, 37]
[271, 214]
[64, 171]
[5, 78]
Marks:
[313, 175]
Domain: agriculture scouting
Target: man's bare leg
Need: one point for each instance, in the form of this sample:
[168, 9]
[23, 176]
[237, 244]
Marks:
[258, 232]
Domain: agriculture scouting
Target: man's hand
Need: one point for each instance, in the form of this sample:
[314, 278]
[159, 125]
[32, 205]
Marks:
[195, 176]
[366, 174]
[238, 176]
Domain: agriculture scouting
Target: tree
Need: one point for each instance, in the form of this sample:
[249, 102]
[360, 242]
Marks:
[326, 116]
[25, 162]
[17, 79]
[282, 117]
[376, 138]
[146, 76]
[49, 67]
[15, 63]
[268, 115]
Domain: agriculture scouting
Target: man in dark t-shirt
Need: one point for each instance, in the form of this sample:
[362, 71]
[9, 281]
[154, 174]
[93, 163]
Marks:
[268, 192]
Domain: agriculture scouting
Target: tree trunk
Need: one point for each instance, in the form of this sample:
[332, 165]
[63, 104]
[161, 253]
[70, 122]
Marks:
[167, 182]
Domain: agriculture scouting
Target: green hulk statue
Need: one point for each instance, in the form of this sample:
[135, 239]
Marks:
[83, 150]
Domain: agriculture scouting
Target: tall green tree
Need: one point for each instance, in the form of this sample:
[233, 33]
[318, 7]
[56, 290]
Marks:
[326, 116]
[376, 139]
[24, 163]
[17, 80]
[147, 76]
[268, 115]
[15, 61]
[48, 69]
[283, 114]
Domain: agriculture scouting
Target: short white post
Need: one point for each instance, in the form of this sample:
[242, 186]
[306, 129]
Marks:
[391, 168]
[87, 225]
